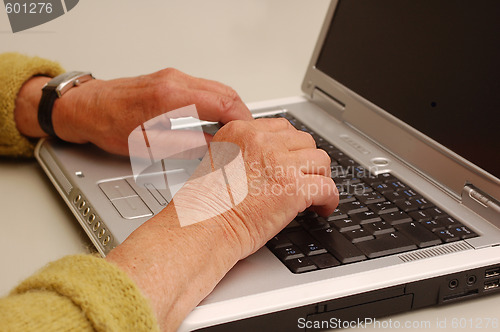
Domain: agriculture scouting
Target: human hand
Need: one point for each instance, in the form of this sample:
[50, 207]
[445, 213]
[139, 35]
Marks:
[105, 112]
[282, 173]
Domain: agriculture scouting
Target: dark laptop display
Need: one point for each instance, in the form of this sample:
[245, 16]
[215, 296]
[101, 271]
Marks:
[432, 64]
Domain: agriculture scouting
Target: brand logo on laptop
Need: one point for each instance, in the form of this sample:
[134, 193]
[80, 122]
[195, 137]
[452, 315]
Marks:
[26, 14]
[171, 150]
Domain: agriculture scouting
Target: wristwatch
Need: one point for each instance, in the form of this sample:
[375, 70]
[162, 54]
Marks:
[54, 89]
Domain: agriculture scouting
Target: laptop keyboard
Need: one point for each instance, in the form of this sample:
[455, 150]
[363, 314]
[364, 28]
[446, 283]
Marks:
[377, 216]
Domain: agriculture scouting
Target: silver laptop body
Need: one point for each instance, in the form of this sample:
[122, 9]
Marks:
[261, 291]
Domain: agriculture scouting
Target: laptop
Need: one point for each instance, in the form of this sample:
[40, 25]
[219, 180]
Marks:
[403, 96]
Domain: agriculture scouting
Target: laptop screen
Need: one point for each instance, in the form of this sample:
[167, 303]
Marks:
[434, 64]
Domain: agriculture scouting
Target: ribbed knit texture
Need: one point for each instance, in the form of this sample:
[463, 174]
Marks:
[77, 293]
[15, 70]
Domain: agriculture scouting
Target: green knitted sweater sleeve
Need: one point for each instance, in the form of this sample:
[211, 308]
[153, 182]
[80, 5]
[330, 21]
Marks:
[77, 293]
[15, 70]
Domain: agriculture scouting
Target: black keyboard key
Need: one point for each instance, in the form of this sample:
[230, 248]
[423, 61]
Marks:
[365, 217]
[339, 155]
[300, 237]
[279, 241]
[340, 247]
[377, 228]
[360, 188]
[311, 249]
[347, 162]
[414, 204]
[421, 202]
[370, 197]
[395, 218]
[345, 196]
[409, 193]
[319, 141]
[306, 243]
[464, 232]
[337, 214]
[386, 177]
[317, 223]
[397, 185]
[289, 252]
[353, 207]
[324, 261]
[434, 225]
[435, 212]
[300, 265]
[448, 221]
[420, 235]
[386, 244]
[306, 215]
[358, 235]
[329, 148]
[380, 178]
[383, 207]
[363, 172]
[395, 196]
[420, 216]
[344, 225]
[448, 235]
[383, 188]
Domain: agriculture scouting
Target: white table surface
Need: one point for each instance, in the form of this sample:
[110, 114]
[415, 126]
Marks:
[259, 47]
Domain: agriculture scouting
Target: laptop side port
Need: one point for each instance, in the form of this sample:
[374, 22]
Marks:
[491, 273]
[489, 285]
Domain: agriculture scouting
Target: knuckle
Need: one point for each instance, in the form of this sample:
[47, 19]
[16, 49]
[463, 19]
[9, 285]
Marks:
[310, 140]
[226, 104]
[169, 72]
[231, 93]
[285, 121]
[324, 157]
[234, 128]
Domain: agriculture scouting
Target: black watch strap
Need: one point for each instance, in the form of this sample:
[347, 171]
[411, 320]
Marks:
[54, 89]
[49, 96]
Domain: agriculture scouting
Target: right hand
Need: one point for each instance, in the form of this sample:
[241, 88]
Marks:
[285, 174]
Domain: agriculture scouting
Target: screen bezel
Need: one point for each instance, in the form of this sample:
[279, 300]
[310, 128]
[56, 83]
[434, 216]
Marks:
[448, 169]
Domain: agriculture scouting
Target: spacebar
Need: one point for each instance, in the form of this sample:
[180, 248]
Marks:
[338, 245]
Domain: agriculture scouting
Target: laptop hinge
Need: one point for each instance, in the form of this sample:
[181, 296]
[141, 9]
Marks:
[330, 104]
[481, 203]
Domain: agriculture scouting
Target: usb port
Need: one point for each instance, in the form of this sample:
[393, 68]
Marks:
[491, 273]
[491, 284]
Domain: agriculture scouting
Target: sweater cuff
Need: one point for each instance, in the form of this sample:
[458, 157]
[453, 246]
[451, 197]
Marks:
[106, 296]
[15, 70]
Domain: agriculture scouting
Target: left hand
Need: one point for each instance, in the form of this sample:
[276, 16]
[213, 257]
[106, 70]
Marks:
[105, 112]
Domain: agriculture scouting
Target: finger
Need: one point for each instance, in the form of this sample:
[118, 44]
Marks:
[213, 86]
[312, 161]
[321, 194]
[211, 106]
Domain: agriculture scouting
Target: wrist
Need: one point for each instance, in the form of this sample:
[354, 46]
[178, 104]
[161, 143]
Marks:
[26, 109]
[71, 114]
[183, 264]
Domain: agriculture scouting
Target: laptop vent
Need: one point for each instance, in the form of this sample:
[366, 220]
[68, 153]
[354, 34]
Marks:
[437, 251]
[55, 171]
